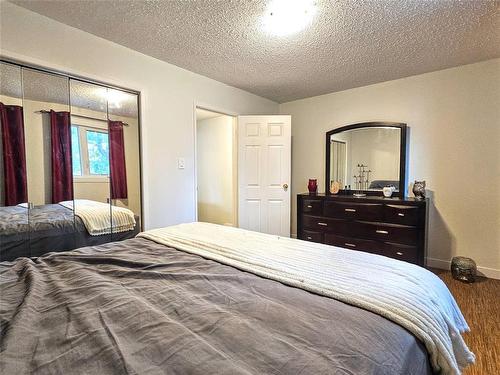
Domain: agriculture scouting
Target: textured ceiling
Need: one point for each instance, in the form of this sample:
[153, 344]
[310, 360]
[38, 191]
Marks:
[349, 43]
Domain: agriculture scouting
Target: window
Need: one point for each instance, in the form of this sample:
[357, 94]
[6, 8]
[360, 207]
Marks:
[90, 150]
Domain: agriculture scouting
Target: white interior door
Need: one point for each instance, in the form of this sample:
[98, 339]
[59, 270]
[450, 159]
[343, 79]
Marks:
[264, 165]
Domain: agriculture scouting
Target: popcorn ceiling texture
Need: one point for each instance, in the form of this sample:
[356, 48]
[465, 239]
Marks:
[349, 44]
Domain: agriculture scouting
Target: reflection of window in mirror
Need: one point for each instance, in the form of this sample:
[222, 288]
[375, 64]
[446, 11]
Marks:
[90, 147]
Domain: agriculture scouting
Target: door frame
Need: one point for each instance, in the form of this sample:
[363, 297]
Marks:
[234, 115]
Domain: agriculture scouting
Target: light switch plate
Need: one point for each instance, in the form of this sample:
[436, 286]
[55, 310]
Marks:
[181, 163]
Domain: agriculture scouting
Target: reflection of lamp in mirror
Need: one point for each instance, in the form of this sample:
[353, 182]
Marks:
[115, 98]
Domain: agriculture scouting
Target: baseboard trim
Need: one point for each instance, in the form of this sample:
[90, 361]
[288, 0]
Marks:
[492, 273]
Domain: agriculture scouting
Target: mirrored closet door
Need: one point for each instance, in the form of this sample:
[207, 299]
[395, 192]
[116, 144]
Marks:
[70, 171]
[48, 161]
[14, 228]
[90, 151]
[125, 172]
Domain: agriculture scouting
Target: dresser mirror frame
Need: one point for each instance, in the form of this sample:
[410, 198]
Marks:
[401, 193]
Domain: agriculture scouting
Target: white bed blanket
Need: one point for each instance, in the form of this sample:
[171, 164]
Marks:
[96, 216]
[404, 293]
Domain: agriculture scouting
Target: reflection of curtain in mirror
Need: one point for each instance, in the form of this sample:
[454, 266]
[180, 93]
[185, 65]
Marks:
[62, 173]
[14, 155]
[338, 162]
[118, 170]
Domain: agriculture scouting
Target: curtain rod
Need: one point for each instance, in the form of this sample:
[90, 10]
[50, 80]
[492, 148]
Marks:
[82, 116]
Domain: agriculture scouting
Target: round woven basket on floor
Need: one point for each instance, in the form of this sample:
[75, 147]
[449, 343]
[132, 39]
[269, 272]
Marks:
[463, 269]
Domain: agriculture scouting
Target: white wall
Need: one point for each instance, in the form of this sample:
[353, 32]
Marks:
[215, 174]
[169, 96]
[454, 120]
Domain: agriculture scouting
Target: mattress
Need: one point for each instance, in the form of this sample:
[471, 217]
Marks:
[137, 306]
[50, 227]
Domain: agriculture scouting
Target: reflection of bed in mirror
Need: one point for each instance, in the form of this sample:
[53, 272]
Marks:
[54, 227]
[380, 184]
[68, 147]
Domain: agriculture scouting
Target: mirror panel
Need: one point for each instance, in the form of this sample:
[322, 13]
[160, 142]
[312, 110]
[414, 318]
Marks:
[366, 157]
[14, 228]
[90, 155]
[48, 161]
[123, 116]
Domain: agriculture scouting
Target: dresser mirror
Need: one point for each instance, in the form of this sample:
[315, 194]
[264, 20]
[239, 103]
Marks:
[366, 157]
[70, 166]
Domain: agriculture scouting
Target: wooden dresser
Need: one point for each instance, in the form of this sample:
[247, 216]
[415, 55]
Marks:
[392, 227]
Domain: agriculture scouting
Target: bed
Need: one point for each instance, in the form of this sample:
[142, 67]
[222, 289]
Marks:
[140, 306]
[50, 227]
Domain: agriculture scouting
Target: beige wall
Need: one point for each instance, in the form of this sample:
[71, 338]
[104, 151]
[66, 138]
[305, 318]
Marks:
[454, 144]
[169, 95]
[215, 174]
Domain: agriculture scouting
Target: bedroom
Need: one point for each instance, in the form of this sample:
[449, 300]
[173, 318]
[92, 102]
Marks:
[434, 67]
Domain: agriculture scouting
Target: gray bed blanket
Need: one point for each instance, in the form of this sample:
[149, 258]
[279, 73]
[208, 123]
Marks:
[138, 307]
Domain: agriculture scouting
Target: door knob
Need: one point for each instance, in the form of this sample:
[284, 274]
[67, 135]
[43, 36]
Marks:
[285, 187]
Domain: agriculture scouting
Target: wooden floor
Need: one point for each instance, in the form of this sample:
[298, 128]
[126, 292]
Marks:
[480, 304]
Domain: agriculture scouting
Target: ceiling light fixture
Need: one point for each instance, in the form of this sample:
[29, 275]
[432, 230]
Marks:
[287, 17]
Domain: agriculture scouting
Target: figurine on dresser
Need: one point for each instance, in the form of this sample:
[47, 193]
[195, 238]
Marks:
[419, 189]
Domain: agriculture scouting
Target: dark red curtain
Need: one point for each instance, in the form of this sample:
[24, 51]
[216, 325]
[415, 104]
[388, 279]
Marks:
[62, 171]
[118, 172]
[14, 155]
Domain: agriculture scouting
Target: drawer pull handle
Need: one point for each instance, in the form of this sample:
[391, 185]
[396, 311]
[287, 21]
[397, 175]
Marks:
[323, 224]
[309, 206]
[400, 214]
[309, 238]
[349, 210]
[399, 253]
[382, 231]
[350, 244]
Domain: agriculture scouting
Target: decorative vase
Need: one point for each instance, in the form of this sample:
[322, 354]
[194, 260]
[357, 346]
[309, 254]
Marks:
[419, 189]
[312, 186]
[388, 190]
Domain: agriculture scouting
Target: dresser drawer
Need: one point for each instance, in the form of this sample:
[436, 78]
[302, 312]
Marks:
[324, 224]
[354, 211]
[400, 252]
[309, 235]
[387, 232]
[406, 215]
[368, 246]
[312, 207]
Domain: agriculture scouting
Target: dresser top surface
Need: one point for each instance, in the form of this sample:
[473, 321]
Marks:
[367, 199]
